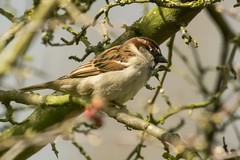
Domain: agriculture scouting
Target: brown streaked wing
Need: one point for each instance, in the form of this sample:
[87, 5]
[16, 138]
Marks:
[108, 66]
[83, 71]
[109, 60]
[113, 59]
[117, 53]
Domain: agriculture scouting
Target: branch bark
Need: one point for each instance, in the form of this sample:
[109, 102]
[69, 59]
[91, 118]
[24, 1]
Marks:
[161, 134]
[55, 109]
[51, 110]
[159, 24]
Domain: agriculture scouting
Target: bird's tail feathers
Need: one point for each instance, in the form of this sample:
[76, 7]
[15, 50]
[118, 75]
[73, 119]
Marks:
[36, 87]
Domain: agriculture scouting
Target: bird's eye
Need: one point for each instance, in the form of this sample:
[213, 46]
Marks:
[151, 49]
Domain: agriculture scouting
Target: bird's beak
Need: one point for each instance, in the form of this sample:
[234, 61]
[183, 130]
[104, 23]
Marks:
[160, 59]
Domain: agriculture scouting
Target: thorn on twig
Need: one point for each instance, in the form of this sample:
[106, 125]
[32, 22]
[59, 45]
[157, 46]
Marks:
[81, 150]
[233, 71]
[54, 149]
[225, 146]
[126, 27]
[128, 127]
[177, 127]
[75, 58]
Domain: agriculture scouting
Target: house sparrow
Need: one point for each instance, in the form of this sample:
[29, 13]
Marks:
[115, 75]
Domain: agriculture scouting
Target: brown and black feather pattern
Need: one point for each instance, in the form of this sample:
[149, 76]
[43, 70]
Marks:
[104, 62]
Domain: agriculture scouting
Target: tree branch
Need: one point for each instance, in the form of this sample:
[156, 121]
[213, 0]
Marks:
[159, 24]
[26, 36]
[158, 132]
[51, 110]
[54, 109]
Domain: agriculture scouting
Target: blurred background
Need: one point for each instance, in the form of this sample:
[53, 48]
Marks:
[113, 140]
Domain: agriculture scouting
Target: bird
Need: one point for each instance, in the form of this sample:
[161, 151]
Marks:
[114, 75]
